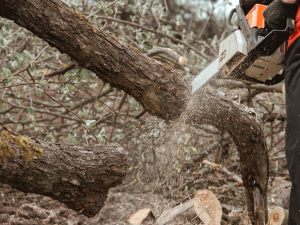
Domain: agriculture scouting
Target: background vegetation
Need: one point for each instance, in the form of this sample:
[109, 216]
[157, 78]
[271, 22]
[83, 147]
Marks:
[43, 94]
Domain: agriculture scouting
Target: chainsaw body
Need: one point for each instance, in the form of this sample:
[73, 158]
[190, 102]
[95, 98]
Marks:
[262, 55]
[251, 52]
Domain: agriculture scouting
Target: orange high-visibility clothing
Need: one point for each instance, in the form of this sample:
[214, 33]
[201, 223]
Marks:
[296, 33]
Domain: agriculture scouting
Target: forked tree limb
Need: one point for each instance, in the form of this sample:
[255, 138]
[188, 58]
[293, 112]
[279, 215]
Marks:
[80, 177]
[245, 129]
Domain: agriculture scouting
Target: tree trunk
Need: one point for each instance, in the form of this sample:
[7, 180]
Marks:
[156, 86]
[80, 177]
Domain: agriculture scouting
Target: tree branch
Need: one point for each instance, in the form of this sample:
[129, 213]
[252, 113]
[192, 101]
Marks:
[80, 177]
[156, 86]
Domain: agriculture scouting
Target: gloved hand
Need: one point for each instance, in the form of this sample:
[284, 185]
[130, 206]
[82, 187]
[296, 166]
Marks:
[277, 13]
[247, 5]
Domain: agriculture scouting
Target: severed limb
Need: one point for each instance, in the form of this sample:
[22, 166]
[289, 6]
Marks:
[80, 177]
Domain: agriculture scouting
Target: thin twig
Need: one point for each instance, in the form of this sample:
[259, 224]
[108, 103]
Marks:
[61, 71]
[169, 52]
[66, 107]
[224, 170]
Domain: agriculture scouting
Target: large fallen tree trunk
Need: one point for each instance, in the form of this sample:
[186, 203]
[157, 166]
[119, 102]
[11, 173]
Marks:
[80, 177]
[155, 85]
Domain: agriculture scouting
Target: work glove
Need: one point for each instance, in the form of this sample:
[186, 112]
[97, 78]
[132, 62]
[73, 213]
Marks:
[278, 12]
[247, 5]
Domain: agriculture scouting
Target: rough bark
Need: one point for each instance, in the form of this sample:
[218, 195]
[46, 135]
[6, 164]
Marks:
[156, 86]
[245, 130]
[80, 177]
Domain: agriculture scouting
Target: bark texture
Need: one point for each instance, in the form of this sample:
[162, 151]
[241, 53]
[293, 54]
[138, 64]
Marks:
[80, 177]
[245, 130]
[156, 86]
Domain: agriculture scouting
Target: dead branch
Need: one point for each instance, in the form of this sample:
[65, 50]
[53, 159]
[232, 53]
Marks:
[61, 71]
[80, 177]
[181, 60]
[224, 170]
[170, 214]
[232, 84]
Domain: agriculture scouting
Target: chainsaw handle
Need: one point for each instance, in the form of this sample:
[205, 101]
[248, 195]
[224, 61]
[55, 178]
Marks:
[230, 23]
[275, 80]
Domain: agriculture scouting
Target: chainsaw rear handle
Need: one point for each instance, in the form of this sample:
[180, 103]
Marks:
[230, 21]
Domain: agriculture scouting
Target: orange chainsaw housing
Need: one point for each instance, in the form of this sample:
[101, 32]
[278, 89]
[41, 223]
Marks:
[255, 17]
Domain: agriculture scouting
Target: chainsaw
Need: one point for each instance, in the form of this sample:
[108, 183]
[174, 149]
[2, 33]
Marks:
[252, 52]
